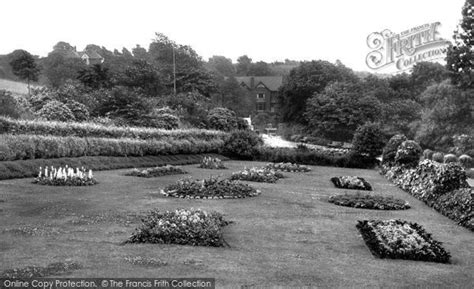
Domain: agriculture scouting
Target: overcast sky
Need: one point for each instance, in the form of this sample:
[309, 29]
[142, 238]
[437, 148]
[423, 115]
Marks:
[264, 30]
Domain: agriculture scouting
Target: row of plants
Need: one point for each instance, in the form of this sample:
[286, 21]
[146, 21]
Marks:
[156, 171]
[464, 160]
[211, 163]
[351, 182]
[20, 147]
[65, 176]
[257, 175]
[287, 167]
[399, 239]
[83, 129]
[210, 188]
[369, 201]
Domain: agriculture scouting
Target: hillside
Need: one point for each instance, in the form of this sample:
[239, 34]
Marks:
[14, 86]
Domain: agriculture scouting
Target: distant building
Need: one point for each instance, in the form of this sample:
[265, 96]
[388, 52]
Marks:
[89, 57]
[263, 91]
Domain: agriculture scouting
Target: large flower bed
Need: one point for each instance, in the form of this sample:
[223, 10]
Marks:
[351, 182]
[212, 188]
[65, 176]
[156, 171]
[287, 167]
[369, 201]
[257, 175]
[183, 227]
[398, 239]
[211, 163]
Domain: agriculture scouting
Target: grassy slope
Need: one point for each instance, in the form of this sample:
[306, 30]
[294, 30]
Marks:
[14, 86]
[288, 236]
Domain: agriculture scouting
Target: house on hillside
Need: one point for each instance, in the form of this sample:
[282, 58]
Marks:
[263, 91]
[89, 57]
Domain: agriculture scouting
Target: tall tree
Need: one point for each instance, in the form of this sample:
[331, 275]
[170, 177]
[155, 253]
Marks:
[59, 68]
[235, 97]
[221, 65]
[460, 57]
[260, 68]
[95, 77]
[24, 66]
[243, 65]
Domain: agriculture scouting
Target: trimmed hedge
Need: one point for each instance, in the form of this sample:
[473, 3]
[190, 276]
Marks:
[29, 168]
[13, 126]
[21, 147]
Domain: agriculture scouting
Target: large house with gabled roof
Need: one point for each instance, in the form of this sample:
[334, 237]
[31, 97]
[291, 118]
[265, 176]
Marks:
[263, 91]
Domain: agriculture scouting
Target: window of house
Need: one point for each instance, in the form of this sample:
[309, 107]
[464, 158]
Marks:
[261, 106]
[260, 95]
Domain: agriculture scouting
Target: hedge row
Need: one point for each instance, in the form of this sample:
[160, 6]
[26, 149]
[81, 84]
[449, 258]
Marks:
[13, 126]
[29, 168]
[441, 186]
[21, 147]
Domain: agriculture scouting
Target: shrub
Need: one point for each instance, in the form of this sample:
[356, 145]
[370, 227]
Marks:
[65, 176]
[182, 227]
[438, 157]
[211, 188]
[165, 121]
[220, 118]
[257, 175]
[390, 150]
[369, 140]
[351, 182]
[450, 158]
[466, 161]
[408, 153]
[369, 201]
[55, 110]
[8, 105]
[79, 110]
[287, 167]
[398, 239]
[428, 154]
[242, 144]
[211, 163]
[156, 171]
[458, 205]
[470, 153]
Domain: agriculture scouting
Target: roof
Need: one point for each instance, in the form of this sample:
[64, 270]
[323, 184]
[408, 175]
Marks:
[273, 83]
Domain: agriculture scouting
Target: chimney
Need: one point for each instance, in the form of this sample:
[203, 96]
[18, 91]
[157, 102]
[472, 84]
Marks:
[252, 82]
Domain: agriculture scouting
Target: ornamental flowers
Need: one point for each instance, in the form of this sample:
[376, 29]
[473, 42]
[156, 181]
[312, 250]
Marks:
[257, 175]
[211, 163]
[287, 167]
[65, 176]
[156, 171]
[351, 182]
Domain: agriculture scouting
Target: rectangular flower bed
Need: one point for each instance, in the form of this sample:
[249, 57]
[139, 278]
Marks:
[399, 239]
[156, 171]
[351, 182]
[65, 176]
[183, 227]
[287, 167]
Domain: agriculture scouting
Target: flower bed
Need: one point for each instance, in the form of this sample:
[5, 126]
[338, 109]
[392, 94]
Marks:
[351, 182]
[369, 201]
[287, 167]
[398, 239]
[211, 188]
[182, 227]
[212, 163]
[257, 175]
[156, 171]
[65, 177]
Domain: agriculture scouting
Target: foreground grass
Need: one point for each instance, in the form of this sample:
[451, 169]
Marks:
[288, 236]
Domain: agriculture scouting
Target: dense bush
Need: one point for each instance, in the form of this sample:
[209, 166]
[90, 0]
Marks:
[242, 144]
[428, 154]
[408, 153]
[369, 140]
[450, 158]
[220, 118]
[79, 110]
[55, 110]
[457, 205]
[20, 147]
[351, 182]
[398, 239]
[438, 157]
[390, 150]
[8, 105]
[8, 125]
[165, 121]
[466, 161]
[182, 227]
[211, 188]
[257, 175]
[156, 171]
[369, 201]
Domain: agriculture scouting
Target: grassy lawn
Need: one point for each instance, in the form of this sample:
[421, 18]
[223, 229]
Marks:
[288, 236]
[15, 86]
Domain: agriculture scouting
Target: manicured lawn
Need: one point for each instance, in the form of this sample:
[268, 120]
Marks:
[288, 236]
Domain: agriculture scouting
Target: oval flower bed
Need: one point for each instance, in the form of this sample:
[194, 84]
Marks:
[257, 175]
[211, 163]
[211, 188]
[351, 182]
[182, 227]
[398, 239]
[368, 201]
[156, 171]
[65, 177]
[287, 167]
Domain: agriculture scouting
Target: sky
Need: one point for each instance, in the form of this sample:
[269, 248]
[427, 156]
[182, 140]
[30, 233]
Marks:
[264, 30]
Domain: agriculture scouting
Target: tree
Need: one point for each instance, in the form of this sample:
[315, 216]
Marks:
[142, 75]
[243, 65]
[59, 68]
[24, 66]
[304, 81]
[460, 57]
[340, 109]
[234, 97]
[260, 69]
[221, 65]
[425, 74]
[95, 77]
